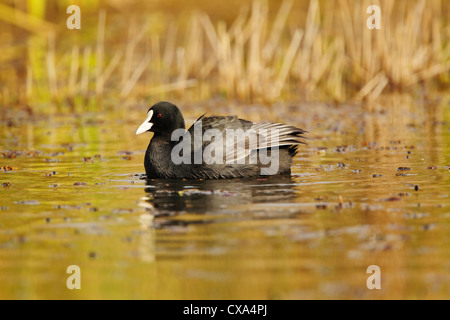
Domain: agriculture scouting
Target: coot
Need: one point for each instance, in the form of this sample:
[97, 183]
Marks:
[216, 147]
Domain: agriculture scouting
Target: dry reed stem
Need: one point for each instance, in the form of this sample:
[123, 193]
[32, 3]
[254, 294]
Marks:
[169, 48]
[112, 65]
[84, 82]
[287, 63]
[99, 84]
[211, 35]
[29, 82]
[6, 97]
[277, 30]
[74, 64]
[175, 86]
[156, 65]
[134, 77]
[26, 21]
[51, 70]
[130, 48]
[378, 83]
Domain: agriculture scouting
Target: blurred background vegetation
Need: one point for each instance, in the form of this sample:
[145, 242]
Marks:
[261, 51]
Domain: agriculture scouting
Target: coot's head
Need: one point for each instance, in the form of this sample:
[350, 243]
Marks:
[162, 118]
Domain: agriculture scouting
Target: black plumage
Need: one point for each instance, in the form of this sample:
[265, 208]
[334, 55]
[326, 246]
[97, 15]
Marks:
[216, 147]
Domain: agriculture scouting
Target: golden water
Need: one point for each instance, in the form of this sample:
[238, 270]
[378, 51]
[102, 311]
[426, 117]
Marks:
[370, 188]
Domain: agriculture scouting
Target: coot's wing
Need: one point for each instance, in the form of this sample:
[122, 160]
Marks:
[228, 139]
[211, 138]
[277, 135]
[261, 136]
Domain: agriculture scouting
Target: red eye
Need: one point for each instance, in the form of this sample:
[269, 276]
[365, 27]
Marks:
[159, 115]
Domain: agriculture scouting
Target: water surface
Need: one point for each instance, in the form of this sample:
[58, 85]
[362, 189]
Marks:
[370, 188]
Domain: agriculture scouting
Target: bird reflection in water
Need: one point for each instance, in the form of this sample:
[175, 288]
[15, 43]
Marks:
[213, 200]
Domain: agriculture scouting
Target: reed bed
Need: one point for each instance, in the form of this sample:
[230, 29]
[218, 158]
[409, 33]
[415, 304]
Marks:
[266, 53]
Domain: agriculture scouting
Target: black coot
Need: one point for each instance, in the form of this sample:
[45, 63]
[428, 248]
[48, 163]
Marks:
[216, 147]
